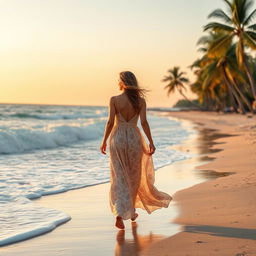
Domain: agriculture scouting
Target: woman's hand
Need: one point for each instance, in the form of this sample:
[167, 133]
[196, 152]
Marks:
[152, 148]
[103, 147]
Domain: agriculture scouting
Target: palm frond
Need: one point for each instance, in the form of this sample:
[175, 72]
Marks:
[228, 3]
[252, 27]
[176, 80]
[181, 85]
[249, 18]
[170, 88]
[251, 34]
[240, 10]
[175, 71]
[247, 6]
[169, 91]
[236, 72]
[203, 40]
[250, 40]
[181, 74]
[165, 79]
[220, 14]
[195, 64]
[220, 45]
[206, 82]
[184, 80]
[216, 26]
[210, 72]
[202, 49]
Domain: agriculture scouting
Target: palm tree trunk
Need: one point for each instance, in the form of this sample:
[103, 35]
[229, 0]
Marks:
[247, 71]
[231, 98]
[218, 103]
[230, 86]
[251, 79]
[242, 96]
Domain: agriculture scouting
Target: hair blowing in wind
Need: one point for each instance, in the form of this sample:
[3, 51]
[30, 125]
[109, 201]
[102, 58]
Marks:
[132, 89]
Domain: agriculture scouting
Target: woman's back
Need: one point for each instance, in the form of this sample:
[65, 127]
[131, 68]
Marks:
[124, 106]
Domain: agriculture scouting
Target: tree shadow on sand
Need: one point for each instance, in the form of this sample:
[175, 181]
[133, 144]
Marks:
[244, 233]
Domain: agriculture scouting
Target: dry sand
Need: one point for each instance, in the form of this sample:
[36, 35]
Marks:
[219, 216]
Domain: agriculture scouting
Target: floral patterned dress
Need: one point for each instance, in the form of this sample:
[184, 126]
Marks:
[132, 171]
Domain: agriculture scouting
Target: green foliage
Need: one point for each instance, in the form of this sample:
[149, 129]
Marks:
[176, 80]
[226, 72]
[186, 104]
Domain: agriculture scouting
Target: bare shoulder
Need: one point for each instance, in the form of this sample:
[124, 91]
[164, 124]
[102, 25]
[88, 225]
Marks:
[142, 102]
[116, 96]
[112, 98]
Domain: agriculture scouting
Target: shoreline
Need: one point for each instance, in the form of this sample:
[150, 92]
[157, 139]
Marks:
[62, 201]
[218, 216]
[202, 222]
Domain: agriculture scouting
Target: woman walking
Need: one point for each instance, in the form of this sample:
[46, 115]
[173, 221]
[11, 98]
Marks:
[131, 165]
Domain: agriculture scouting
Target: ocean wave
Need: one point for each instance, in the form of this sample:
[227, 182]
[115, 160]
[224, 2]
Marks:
[50, 116]
[41, 173]
[25, 140]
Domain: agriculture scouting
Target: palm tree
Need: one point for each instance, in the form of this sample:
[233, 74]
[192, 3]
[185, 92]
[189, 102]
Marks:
[237, 24]
[234, 75]
[217, 71]
[176, 81]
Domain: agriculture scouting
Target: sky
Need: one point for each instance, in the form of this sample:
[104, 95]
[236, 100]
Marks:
[71, 51]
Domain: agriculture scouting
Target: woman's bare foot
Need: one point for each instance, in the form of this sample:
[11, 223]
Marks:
[135, 216]
[119, 222]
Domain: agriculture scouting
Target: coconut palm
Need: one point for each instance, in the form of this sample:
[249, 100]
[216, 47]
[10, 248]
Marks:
[214, 81]
[234, 75]
[237, 23]
[177, 81]
[219, 71]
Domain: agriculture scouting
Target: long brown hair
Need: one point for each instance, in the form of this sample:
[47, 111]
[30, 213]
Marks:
[132, 89]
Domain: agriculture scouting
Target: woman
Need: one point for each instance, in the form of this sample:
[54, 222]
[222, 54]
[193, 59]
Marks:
[131, 164]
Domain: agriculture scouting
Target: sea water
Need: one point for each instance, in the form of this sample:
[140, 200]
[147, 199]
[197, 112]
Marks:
[48, 149]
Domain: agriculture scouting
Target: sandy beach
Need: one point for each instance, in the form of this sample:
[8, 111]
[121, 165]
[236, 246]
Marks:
[82, 109]
[214, 217]
[218, 216]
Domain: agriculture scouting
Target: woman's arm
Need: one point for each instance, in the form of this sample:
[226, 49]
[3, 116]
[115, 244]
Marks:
[109, 125]
[145, 126]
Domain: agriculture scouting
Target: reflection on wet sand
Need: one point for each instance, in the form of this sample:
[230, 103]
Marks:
[132, 247]
[202, 147]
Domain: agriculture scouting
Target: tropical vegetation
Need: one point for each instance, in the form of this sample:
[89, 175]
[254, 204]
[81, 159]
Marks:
[226, 70]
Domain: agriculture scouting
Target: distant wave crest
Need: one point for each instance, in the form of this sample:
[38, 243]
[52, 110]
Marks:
[50, 116]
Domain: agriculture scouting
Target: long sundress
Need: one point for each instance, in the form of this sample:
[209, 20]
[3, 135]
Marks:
[132, 173]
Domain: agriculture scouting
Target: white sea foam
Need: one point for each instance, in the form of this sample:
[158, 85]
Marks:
[20, 140]
[28, 219]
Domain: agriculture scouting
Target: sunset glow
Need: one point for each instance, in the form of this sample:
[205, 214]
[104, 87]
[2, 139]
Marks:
[70, 52]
